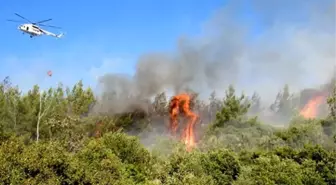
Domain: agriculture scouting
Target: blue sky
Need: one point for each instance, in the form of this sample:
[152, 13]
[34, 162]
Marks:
[101, 36]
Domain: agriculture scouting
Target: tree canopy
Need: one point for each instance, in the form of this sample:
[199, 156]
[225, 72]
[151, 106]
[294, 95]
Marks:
[53, 137]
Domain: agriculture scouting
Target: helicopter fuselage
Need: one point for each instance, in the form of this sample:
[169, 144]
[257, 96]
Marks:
[30, 29]
[33, 28]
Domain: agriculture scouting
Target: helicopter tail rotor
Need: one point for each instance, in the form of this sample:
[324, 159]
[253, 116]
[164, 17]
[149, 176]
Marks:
[60, 35]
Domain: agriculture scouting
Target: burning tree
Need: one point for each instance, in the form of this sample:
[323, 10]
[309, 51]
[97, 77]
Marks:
[183, 99]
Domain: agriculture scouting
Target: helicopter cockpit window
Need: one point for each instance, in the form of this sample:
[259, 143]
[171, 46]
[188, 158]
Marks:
[27, 28]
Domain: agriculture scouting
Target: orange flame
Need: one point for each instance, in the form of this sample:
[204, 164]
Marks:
[188, 133]
[311, 108]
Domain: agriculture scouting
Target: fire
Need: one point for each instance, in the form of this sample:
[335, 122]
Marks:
[174, 110]
[311, 108]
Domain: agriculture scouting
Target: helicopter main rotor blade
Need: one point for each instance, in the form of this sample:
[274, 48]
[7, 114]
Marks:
[15, 21]
[22, 17]
[49, 26]
[42, 21]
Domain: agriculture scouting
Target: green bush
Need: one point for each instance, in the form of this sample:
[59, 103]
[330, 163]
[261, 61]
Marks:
[234, 148]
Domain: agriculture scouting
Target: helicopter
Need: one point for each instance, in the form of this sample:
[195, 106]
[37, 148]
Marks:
[33, 28]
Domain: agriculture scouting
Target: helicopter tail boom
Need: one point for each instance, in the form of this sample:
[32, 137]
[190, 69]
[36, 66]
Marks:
[52, 34]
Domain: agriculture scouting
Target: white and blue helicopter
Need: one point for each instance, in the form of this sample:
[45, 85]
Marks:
[33, 28]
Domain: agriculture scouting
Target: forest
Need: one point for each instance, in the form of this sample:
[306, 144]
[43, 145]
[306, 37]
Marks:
[61, 136]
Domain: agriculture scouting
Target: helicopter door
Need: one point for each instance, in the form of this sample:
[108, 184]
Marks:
[27, 28]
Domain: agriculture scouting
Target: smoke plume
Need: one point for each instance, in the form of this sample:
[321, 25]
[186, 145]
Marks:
[285, 42]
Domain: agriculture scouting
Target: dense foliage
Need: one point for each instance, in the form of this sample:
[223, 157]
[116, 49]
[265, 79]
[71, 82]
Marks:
[51, 138]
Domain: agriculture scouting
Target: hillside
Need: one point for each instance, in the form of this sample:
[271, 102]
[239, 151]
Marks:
[70, 136]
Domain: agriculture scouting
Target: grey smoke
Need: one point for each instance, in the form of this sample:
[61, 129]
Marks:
[296, 47]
